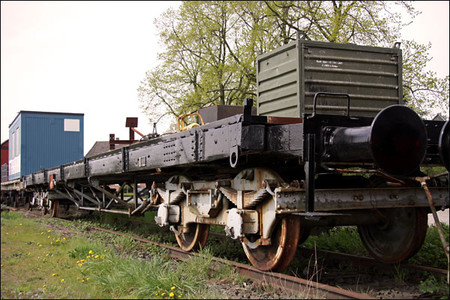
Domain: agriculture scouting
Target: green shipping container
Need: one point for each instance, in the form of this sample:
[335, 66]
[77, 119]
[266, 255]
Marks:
[289, 77]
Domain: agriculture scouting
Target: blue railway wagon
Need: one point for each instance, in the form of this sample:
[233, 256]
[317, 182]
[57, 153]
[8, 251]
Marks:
[41, 140]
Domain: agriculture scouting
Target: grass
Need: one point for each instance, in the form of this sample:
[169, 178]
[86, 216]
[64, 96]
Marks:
[39, 263]
[431, 254]
[41, 259]
[340, 239]
[346, 239]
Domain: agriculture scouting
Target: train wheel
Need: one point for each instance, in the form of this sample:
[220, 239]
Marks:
[194, 239]
[55, 209]
[399, 237]
[278, 255]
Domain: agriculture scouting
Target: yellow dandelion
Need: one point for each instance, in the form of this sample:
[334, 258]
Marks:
[42, 232]
[54, 274]
[40, 245]
[87, 278]
[62, 279]
[48, 236]
[49, 230]
[96, 256]
[105, 284]
[44, 286]
[64, 238]
[80, 265]
[91, 252]
[172, 288]
[171, 294]
[104, 250]
[20, 224]
[82, 280]
[46, 254]
[51, 243]
[163, 294]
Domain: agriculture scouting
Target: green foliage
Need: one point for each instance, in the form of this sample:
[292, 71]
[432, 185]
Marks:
[422, 89]
[341, 239]
[125, 244]
[400, 274]
[210, 49]
[83, 249]
[82, 267]
[37, 262]
[434, 286]
[433, 171]
[432, 252]
[11, 215]
[154, 278]
[346, 239]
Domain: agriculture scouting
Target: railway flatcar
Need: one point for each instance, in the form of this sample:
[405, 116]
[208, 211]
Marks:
[331, 144]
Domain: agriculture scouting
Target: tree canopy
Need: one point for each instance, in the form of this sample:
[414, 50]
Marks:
[210, 49]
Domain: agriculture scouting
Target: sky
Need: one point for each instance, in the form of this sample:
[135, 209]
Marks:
[90, 57]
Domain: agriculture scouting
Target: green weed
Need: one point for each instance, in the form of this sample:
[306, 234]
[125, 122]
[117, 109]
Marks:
[341, 239]
[432, 252]
[400, 275]
[434, 286]
[83, 266]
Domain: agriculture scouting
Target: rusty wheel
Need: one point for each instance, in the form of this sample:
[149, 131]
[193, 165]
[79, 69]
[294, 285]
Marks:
[55, 209]
[195, 238]
[278, 255]
[399, 237]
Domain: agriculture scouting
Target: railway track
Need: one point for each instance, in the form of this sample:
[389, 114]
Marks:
[282, 280]
[279, 280]
[332, 256]
[275, 279]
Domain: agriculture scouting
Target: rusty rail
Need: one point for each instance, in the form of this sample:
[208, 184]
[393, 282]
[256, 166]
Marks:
[282, 280]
